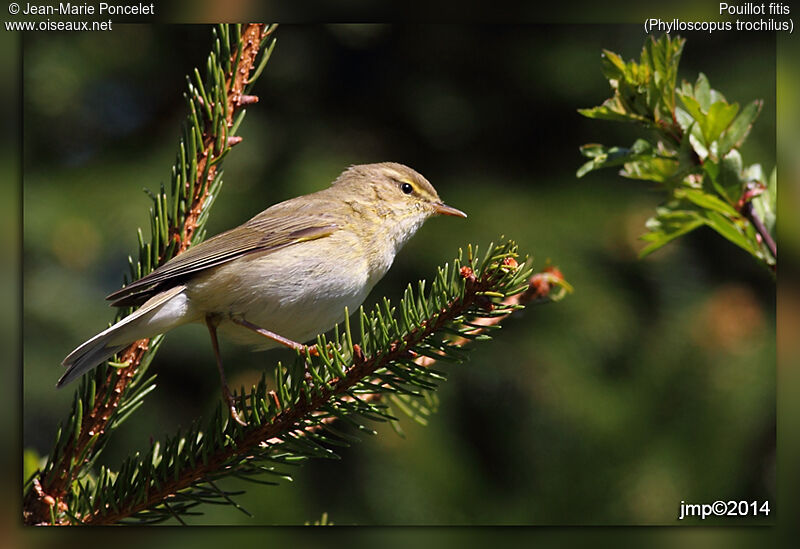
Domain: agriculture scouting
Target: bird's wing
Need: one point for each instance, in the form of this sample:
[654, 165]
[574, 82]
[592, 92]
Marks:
[264, 233]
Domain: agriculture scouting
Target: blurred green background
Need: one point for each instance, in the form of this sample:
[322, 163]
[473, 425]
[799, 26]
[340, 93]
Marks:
[654, 383]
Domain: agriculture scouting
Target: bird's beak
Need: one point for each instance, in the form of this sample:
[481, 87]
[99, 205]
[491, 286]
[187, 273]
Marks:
[444, 209]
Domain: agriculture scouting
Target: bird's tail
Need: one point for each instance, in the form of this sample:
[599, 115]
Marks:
[155, 316]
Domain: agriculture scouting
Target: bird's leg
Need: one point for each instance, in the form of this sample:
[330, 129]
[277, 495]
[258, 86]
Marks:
[275, 337]
[226, 394]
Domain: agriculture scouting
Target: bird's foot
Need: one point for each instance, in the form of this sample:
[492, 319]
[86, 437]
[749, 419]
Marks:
[310, 349]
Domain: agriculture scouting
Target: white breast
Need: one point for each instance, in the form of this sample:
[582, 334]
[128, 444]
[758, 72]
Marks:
[297, 292]
[301, 290]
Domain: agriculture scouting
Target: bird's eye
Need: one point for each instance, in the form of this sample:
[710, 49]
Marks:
[406, 188]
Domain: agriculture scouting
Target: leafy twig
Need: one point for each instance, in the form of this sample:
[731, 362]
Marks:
[691, 151]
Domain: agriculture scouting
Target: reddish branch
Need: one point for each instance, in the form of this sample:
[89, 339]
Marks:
[291, 418]
[539, 286]
[745, 206]
[54, 488]
[235, 84]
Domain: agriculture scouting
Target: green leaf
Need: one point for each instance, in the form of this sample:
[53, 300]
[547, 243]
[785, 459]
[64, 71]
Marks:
[685, 149]
[644, 91]
[686, 88]
[692, 132]
[739, 128]
[613, 65]
[702, 92]
[666, 227]
[658, 169]
[671, 223]
[754, 172]
[603, 157]
[612, 109]
[765, 204]
[730, 230]
[684, 119]
[719, 117]
[716, 97]
[713, 120]
[730, 179]
[707, 201]
[692, 107]
[693, 123]
[594, 150]
[711, 182]
[698, 143]
[662, 57]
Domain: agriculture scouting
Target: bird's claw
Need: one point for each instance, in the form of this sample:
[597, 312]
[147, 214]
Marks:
[313, 350]
[236, 416]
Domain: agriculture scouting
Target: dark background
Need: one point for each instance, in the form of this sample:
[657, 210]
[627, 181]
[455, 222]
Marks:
[654, 383]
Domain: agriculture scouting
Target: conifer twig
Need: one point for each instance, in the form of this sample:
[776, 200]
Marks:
[243, 63]
[540, 286]
[343, 380]
[54, 484]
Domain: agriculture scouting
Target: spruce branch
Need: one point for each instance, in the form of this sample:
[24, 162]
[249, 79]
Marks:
[110, 394]
[318, 402]
[315, 403]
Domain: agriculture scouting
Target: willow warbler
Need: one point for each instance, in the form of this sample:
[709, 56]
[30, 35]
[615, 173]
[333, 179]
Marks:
[282, 277]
